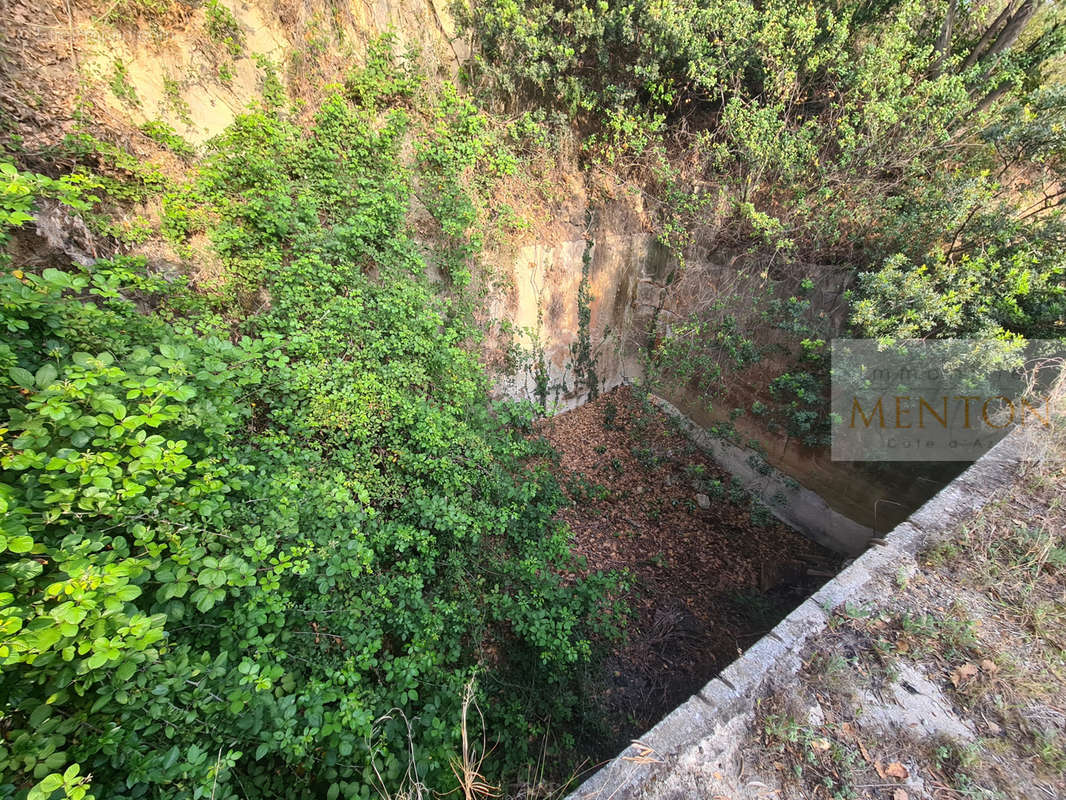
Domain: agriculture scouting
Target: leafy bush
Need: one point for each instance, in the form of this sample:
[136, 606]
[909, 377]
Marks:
[459, 159]
[247, 535]
[166, 136]
[610, 415]
[223, 27]
[802, 409]
[863, 136]
[19, 191]
[704, 348]
[121, 86]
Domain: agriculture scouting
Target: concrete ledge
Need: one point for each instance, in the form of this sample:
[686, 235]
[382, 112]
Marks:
[681, 727]
[906, 539]
[806, 620]
[804, 510]
[973, 488]
[845, 586]
[636, 771]
[746, 673]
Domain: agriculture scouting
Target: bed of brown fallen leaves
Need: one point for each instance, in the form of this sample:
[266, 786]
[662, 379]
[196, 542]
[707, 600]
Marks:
[707, 582]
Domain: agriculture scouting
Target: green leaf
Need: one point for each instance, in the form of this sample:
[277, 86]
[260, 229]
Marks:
[25, 570]
[20, 544]
[23, 377]
[47, 637]
[44, 789]
[46, 376]
[195, 755]
[97, 660]
[204, 600]
[40, 714]
[127, 593]
[125, 671]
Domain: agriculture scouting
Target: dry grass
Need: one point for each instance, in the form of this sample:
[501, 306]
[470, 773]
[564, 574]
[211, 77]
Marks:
[467, 766]
[983, 619]
[468, 763]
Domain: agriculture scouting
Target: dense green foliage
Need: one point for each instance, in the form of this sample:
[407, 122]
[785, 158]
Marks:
[907, 155]
[256, 541]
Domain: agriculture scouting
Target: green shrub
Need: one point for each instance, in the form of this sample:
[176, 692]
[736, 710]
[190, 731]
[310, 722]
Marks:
[923, 157]
[121, 86]
[223, 28]
[610, 415]
[164, 135]
[240, 537]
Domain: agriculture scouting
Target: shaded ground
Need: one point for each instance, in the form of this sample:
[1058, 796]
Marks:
[711, 571]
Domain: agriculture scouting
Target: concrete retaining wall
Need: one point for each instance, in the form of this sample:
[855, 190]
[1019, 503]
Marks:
[801, 509]
[699, 730]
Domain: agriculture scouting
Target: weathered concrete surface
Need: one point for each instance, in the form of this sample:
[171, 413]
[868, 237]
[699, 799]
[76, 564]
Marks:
[802, 509]
[692, 752]
[624, 285]
[914, 702]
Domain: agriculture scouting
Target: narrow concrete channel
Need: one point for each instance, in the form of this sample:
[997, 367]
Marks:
[666, 761]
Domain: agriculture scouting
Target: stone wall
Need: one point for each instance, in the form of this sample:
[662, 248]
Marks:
[838, 504]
